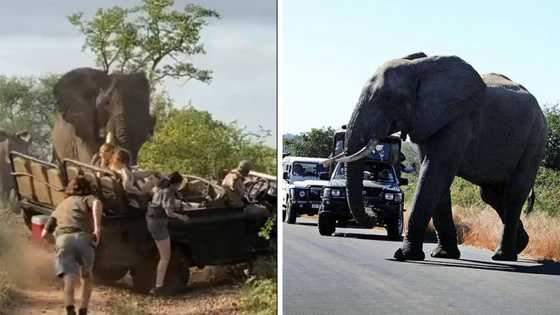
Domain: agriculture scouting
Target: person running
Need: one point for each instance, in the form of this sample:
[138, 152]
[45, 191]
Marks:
[76, 223]
[164, 204]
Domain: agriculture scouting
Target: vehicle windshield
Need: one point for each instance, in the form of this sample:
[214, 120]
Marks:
[308, 169]
[377, 172]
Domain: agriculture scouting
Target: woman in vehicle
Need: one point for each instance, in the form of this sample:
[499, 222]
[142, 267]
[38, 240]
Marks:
[164, 205]
[102, 159]
[120, 162]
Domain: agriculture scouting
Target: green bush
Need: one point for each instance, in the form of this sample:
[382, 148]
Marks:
[191, 141]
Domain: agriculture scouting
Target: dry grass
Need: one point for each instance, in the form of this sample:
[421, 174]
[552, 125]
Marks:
[482, 228]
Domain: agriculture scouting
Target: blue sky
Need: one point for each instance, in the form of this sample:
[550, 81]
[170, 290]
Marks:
[330, 48]
[241, 50]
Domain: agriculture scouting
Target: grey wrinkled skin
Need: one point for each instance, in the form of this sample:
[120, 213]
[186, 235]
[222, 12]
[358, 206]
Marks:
[486, 129]
[91, 103]
[9, 142]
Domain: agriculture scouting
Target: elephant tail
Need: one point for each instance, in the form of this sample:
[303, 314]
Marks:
[530, 202]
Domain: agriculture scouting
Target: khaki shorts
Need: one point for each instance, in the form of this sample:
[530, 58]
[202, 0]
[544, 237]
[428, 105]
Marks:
[73, 251]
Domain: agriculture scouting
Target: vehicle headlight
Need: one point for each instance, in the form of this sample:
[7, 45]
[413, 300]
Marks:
[336, 193]
[389, 196]
[301, 193]
[398, 197]
[326, 192]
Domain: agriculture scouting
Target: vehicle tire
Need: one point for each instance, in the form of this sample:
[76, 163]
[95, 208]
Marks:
[108, 276]
[395, 227]
[327, 225]
[291, 214]
[283, 215]
[176, 277]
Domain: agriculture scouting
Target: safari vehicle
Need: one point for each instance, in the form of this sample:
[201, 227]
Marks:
[383, 197]
[213, 235]
[302, 186]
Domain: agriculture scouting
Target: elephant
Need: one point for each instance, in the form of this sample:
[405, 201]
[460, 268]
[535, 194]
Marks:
[486, 129]
[19, 142]
[92, 104]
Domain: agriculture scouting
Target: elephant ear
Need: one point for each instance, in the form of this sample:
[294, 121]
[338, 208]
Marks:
[447, 88]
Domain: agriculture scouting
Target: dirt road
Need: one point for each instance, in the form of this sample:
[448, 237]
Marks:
[212, 290]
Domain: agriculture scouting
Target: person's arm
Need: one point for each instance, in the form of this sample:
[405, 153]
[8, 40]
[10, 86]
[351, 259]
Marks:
[49, 227]
[128, 182]
[170, 204]
[97, 211]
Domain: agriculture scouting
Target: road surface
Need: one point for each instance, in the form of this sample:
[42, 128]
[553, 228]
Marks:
[353, 273]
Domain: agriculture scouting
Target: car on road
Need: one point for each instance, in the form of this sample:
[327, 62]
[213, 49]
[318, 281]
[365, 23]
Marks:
[214, 234]
[383, 197]
[303, 181]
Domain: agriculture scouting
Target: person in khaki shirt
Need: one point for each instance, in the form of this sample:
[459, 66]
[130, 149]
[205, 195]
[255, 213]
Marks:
[76, 223]
[233, 184]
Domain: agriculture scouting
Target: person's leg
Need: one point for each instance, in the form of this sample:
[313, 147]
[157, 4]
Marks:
[69, 285]
[87, 286]
[87, 257]
[164, 250]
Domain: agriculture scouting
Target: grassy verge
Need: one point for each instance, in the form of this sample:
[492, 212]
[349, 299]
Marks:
[482, 228]
[260, 290]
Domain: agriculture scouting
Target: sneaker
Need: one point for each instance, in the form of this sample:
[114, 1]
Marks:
[158, 291]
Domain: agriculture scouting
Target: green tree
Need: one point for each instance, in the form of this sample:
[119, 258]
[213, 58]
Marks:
[153, 37]
[191, 141]
[314, 143]
[27, 104]
[552, 153]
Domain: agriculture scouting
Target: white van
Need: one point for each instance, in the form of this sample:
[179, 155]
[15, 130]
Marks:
[302, 184]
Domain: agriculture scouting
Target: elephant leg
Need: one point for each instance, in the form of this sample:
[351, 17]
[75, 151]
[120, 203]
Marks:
[445, 229]
[516, 190]
[442, 158]
[494, 196]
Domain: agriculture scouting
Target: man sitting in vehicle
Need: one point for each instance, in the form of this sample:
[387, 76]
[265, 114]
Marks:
[234, 186]
[76, 223]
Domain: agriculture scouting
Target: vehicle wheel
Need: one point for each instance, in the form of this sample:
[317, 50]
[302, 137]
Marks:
[327, 225]
[176, 277]
[395, 228]
[108, 276]
[291, 214]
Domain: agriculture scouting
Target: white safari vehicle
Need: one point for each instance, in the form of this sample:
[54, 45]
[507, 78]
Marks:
[302, 184]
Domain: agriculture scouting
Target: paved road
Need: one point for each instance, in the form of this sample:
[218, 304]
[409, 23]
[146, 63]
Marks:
[353, 273]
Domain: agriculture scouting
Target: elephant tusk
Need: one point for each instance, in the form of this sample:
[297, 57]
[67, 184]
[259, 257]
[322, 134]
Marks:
[360, 154]
[333, 159]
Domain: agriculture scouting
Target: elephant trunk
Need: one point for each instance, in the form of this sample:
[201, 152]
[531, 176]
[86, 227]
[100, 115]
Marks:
[355, 185]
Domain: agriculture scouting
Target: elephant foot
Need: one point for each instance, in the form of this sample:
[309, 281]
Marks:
[404, 254]
[501, 256]
[522, 240]
[449, 252]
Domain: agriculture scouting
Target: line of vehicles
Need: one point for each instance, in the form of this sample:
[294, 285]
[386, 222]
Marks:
[311, 187]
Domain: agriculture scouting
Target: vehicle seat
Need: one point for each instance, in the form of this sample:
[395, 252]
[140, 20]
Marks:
[42, 191]
[55, 178]
[25, 187]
